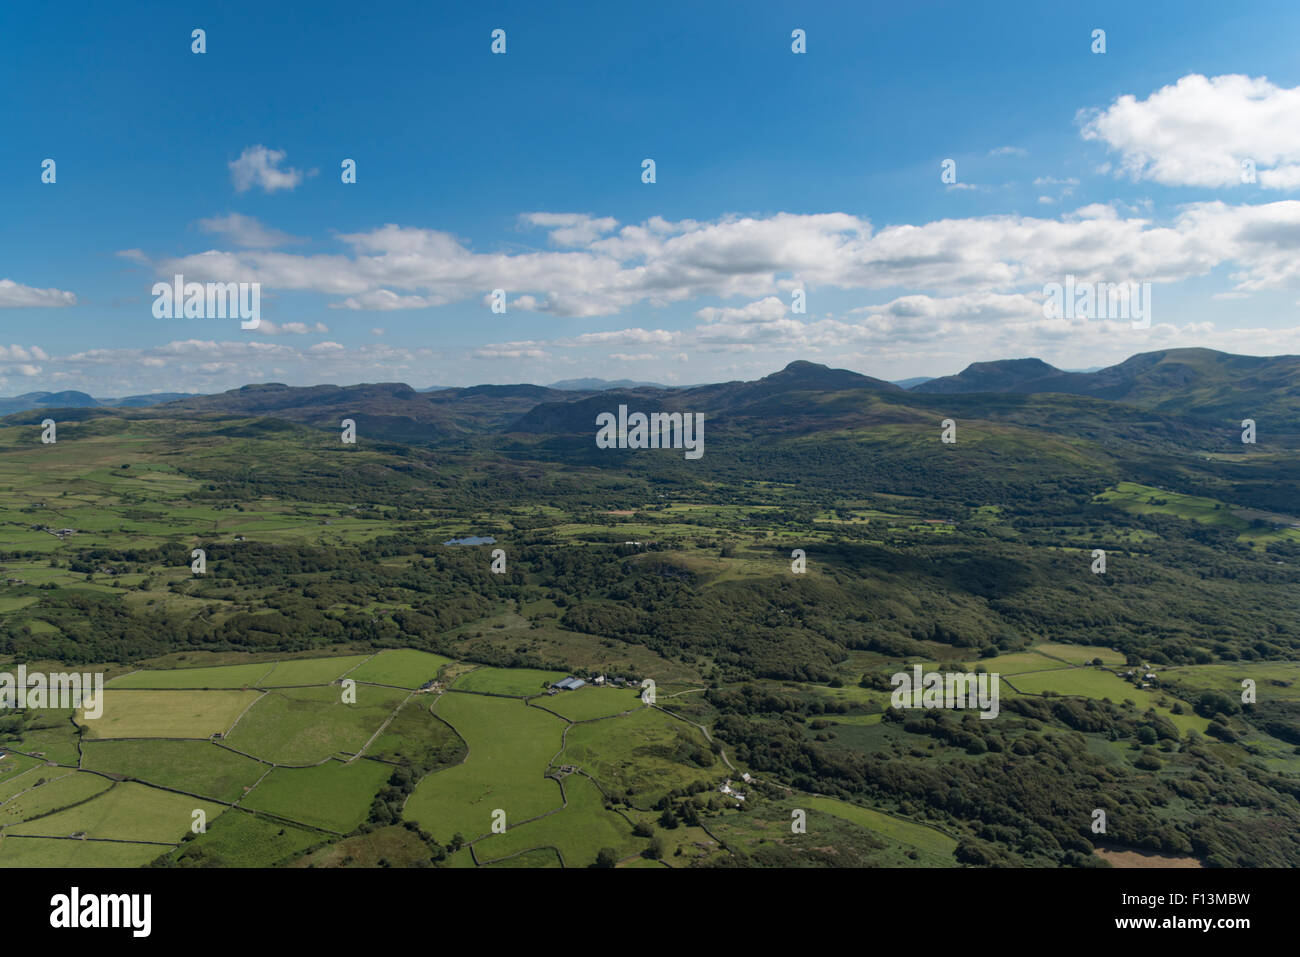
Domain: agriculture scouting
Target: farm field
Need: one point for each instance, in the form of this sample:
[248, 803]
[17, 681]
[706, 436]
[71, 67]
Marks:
[588, 703]
[62, 789]
[219, 677]
[21, 852]
[196, 767]
[925, 840]
[518, 682]
[246, 839]
[402, 668]
[334, 795]
[642, 755]
[302, 726]
[510, 748]
[578, 832]
[166, 714]
[124, 812]
[310, 671]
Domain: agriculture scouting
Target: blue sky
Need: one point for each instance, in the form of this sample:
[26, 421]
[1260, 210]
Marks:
[775, 171]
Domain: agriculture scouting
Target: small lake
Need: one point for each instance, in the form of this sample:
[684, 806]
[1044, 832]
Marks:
[472, 540]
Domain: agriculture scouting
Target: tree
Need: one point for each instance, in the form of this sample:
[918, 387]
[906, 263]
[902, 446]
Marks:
[607, 857]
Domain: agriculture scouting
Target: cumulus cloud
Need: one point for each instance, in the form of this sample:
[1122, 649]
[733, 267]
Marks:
[15, 296]
[762, 310]
[659, 263]
[244, 231]
[22, 354]
[510, 350]
[268, 328]
[571, 229]
[1199, 130]
[259, 166]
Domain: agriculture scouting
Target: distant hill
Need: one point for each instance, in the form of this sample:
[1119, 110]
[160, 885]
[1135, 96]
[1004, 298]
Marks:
[912, 382]
[46, 400]
[385, 410]
[773, 398]
[601, 385]
[143, 401]
[1199, 382]
[80, 400]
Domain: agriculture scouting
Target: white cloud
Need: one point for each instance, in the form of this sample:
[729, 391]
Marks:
[268, 328]
[1009, 151]
[657, 263]
[1197, 132]
[244, 231]
[622, 337]
[15, 296]
[763, 310]
[571, 229]
[259, 166]
[22, 354]
[510, 350]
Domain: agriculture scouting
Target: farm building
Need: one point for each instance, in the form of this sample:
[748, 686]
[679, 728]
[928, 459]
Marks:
[570, 684]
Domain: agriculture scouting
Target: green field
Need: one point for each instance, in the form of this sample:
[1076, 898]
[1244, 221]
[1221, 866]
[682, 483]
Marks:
[197, 767]
[1148, 500]
[17, 772]
[404, 668]
[126, 812]
[588, 703]
[417, 738]
[301, 726]
[509, 681]
[1081, 654]
[510, 747]
[240, 839]
[310, 671]
[49, 852]
[334, 795]
[926, 840]
[62, 789]
[577, 832]
[642, 755]
[51, 735]
[167, 714]
[220, 677]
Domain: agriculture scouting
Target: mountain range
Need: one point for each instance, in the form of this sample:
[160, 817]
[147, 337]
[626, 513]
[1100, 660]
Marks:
[1194, 384]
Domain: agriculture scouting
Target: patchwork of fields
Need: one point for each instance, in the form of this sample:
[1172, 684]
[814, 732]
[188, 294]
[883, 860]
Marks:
[226, 764]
